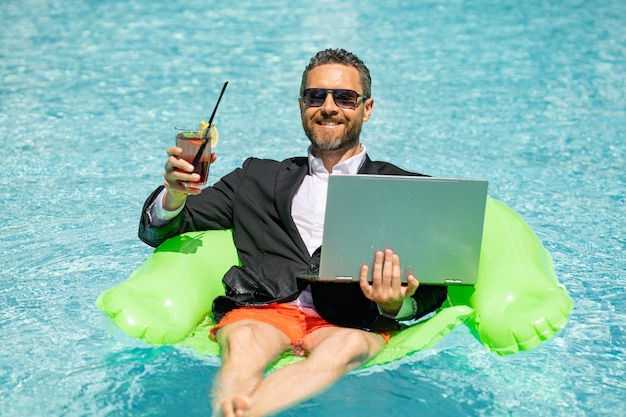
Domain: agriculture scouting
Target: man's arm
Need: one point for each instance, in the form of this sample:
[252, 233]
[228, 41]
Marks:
[153, 228]
[160, 218]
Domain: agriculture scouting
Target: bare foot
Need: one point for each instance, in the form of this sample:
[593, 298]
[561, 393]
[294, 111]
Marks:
[236, 407]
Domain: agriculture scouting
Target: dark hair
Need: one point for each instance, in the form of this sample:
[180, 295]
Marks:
[341, 57]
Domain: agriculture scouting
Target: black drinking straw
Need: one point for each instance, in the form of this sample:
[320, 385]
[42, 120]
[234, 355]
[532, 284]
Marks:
[196, 159]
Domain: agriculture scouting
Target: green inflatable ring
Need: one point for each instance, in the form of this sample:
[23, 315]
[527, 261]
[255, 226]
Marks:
[516, 304]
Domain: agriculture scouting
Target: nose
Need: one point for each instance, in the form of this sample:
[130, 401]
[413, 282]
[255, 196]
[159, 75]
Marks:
[329, 105]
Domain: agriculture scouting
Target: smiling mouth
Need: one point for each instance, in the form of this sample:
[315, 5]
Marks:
[330, 123]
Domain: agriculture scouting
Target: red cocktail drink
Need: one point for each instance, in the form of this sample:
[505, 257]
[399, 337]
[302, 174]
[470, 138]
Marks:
[190, 143]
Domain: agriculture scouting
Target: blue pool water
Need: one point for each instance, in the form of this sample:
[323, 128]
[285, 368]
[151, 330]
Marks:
[529, 95]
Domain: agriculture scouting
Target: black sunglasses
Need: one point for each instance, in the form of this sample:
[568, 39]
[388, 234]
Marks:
[346, 99]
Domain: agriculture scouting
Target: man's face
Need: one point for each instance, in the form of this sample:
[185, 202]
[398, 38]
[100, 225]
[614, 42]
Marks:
[329, 127]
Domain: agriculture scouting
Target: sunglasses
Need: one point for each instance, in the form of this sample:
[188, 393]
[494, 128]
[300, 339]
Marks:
[346, 99]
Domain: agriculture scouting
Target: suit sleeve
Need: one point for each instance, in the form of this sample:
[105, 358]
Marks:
[210, 210]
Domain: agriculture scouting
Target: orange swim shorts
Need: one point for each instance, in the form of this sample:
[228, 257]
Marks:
[286, 318]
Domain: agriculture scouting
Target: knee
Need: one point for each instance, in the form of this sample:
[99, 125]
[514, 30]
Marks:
[238, 339]
[251, 339]
[354, 349]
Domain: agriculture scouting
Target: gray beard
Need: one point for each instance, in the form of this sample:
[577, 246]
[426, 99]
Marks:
[326, 144]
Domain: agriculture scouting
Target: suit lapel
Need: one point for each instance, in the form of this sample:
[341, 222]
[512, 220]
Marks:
[368, 167]
[288, 181]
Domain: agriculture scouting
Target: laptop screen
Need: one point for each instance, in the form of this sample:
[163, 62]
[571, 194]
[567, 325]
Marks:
[434, 225]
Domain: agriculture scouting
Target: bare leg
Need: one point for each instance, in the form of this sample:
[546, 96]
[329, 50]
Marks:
[247, 349]
[333, 351]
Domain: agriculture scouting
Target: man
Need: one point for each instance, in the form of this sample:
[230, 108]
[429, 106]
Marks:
[276, 211]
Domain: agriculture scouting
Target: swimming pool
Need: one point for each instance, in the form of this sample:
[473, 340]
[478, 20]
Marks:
[529, 95]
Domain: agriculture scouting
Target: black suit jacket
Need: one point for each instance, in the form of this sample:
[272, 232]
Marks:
[255, 202]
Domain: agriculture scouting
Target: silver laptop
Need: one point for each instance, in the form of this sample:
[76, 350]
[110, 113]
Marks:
[435, 226]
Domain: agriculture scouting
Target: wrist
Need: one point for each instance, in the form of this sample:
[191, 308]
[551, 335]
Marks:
[391, 308]
[173, 200]
[407, 310]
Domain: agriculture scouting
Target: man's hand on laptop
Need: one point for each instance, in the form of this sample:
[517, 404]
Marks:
[386, 288]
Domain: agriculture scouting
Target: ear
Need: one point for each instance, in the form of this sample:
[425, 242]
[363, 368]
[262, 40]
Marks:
[301, 104]
[368, 107]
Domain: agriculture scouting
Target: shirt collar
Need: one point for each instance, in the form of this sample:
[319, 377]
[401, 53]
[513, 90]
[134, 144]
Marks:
[349, 166]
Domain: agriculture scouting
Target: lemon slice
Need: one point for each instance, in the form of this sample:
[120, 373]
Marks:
[212, 132]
